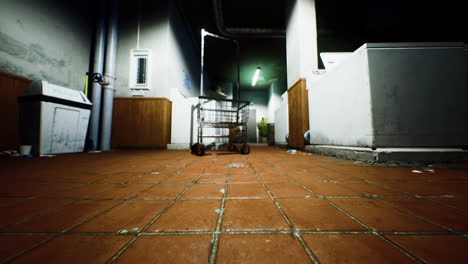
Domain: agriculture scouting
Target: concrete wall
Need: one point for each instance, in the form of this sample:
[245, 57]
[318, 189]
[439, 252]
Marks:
[174, 62]
[281, 120]
[184, 76]
[259, 102]
[301, 39]
[184, 61]
[154, 35]
[419, 95]
[274, 99]
[340, 104]
[48, 40]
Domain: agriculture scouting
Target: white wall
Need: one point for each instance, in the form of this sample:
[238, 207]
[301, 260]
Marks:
[281, 120]
[274, 99]
[259, 102]
[153, 35]
[393, 95]
[184, 77]
[340, 106]
[174, 61]
[46, 40]
[301, 40]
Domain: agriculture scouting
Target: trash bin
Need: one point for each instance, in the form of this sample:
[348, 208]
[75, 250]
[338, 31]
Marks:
[53, 119]
[271, 134]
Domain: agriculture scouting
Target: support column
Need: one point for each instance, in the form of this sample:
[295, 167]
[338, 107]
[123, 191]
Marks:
[301, 40]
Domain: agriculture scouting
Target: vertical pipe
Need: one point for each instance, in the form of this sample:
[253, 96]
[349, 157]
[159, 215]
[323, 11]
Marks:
[238, 70]
[98, 67]
[109, 74]
[202, 92]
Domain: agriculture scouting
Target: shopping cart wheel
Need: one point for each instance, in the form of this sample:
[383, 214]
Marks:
[231, 147]
[199, 149]
[245, 149]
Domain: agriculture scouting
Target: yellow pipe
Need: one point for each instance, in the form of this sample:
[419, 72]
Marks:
[86, 84]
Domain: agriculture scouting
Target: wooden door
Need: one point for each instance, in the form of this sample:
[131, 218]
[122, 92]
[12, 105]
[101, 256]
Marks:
[298, 107]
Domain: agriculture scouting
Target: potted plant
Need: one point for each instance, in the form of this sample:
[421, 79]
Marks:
[263, 130]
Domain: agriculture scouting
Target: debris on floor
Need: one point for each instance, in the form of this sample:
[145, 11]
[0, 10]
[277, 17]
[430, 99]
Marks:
[295, 152]
[237, 165]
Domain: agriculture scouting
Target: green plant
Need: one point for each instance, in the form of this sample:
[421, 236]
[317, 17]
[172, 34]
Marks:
[263, 127]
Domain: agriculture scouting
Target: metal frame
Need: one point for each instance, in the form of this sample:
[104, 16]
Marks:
[223, 114]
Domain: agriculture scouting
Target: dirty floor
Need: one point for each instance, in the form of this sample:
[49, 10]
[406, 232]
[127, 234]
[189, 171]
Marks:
[266, 207]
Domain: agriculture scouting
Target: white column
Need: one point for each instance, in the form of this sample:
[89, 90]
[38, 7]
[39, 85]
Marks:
[301, 40]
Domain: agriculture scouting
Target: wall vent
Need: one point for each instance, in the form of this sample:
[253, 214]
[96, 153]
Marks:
[140, 62]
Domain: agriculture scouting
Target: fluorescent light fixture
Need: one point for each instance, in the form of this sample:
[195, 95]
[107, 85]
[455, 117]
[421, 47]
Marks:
[255, 77]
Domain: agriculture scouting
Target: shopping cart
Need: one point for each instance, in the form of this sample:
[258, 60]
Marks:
[222, 118]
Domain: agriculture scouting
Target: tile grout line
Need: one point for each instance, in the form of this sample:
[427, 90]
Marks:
[229, 233]
[362, 224]
[425, 197]
[297, 234]
[12, 258]
[53, 209]
[215, 239]
[101, 213]
[129, 243]
[87, 198]
[414, 215]
[68, 231]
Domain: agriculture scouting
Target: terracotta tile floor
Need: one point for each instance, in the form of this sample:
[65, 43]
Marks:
[157, 206]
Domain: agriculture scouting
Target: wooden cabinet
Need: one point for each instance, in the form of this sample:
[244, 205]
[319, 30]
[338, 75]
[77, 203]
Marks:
[141, 122]
[298, 107]
[11, 87]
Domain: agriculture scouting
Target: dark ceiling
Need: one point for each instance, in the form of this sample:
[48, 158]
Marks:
[342, 26]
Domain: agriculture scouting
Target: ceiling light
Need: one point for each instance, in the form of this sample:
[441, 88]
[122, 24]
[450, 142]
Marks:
[255, 77]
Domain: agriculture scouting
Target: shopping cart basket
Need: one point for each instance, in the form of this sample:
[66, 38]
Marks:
[222, 118]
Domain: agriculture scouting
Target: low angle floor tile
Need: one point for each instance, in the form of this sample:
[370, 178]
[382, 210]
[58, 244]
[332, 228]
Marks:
[330, 189]
[189, 215]
[314, 214]
[11, 246]
[381, 217]
[162, 191]
[288, 189]
[249, 215]
[261, 249]
[434, 248]
[63, 218]
[28, 208]
[246, 190]
[353, 248]
[436, 213]
[75, 249]
[168, 249]
[121, 191]
[205, 191]
[131, 216]
[158, 206]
